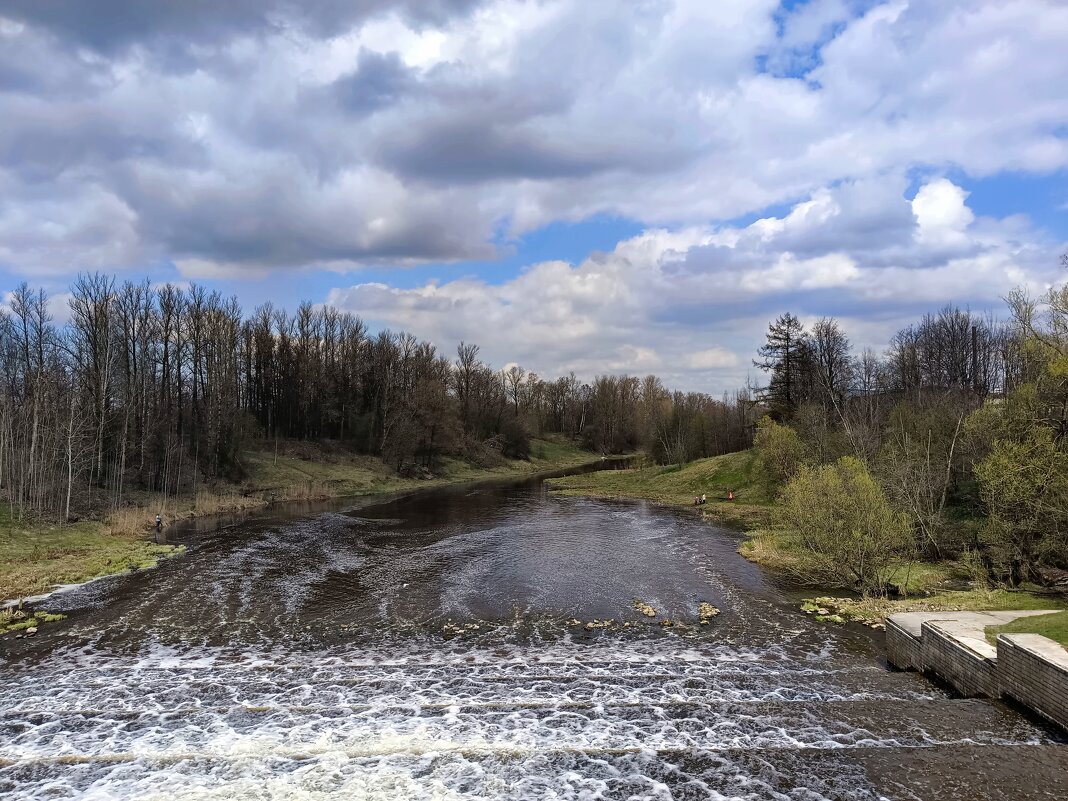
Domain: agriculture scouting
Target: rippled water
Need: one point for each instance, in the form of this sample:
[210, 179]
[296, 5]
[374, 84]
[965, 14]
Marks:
[425, 648]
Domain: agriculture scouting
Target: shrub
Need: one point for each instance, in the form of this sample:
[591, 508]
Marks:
[780, 448]
[1024, 486]
[841, 517]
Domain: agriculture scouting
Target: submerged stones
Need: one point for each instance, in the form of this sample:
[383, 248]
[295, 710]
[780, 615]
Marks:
[460, 628]
[600, 624]
[653, 617]
[644, 608]
[828, 609]
[26, 624]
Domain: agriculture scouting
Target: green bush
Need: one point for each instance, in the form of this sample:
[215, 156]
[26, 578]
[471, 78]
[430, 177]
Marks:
[840, 517]
[780, 448]
[1024, 486]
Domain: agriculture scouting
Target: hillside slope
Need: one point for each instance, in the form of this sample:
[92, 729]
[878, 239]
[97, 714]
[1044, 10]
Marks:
[677, 486]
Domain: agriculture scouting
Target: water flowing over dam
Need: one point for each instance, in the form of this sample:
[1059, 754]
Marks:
[426, 647]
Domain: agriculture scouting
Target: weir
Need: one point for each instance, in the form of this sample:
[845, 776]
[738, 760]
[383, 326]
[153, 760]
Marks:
[435, 646]
[1027, 668]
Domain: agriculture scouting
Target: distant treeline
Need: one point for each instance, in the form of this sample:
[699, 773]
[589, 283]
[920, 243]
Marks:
[163, 389]
[844, 401]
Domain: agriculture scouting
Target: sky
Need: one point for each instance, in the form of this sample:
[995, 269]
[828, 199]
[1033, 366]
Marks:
[573, 185]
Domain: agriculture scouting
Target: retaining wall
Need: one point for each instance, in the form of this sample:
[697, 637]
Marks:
[902, 646]
[1034, 671]
[968, 664]
[1028, 668]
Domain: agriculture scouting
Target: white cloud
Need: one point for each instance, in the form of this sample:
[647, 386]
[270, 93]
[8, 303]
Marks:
[415, 135]
[941, 214]
[790, 273]
[658, 301]
[711, 359]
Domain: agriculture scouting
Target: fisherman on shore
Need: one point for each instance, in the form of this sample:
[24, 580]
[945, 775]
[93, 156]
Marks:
[159, 523]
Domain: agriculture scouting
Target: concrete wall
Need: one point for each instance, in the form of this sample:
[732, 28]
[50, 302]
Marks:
[968, 664]
[1034, 671]
[902, 647]
[1028, 668]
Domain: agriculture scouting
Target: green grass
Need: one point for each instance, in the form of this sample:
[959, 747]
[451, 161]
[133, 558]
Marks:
[1054, 626]
[770, 549]
[875, 610]
[545, 455]
[34, 557]
[347, 475]
[677, 486]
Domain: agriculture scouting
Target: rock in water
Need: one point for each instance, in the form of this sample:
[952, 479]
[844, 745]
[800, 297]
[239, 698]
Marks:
[644, 608]
[706, 612]
[599, 624]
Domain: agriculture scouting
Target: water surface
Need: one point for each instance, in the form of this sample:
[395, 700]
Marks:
[426, 647]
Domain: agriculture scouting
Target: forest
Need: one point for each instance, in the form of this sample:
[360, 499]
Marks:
[949, 446]
[165, 388]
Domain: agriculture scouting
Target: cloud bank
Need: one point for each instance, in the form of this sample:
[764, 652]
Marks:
[250, 137]
[691, 304]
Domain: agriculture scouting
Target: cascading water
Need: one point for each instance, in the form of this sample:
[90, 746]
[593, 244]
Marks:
[426, 648]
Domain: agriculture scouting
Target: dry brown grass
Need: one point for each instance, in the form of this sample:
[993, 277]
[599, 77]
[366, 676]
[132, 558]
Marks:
[138, 518]
[763, 548]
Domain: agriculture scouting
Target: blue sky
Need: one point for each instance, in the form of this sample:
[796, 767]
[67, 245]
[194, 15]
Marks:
[573, 184]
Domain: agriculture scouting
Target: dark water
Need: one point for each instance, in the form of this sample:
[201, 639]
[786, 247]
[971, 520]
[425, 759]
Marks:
[423, 648]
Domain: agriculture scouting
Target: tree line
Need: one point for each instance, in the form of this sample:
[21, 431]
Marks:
[165, 388]
[952, 444]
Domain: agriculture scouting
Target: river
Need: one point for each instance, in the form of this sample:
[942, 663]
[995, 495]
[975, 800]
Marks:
[424, 647]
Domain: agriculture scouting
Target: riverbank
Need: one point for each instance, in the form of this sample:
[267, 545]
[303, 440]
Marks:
[677, 486]
[926, 586]
[36, 557]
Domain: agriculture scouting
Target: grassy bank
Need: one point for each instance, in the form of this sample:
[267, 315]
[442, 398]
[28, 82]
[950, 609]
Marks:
[1054, 626]
[874, 611]
[36, 556]
[942, 586]
[677, 486]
